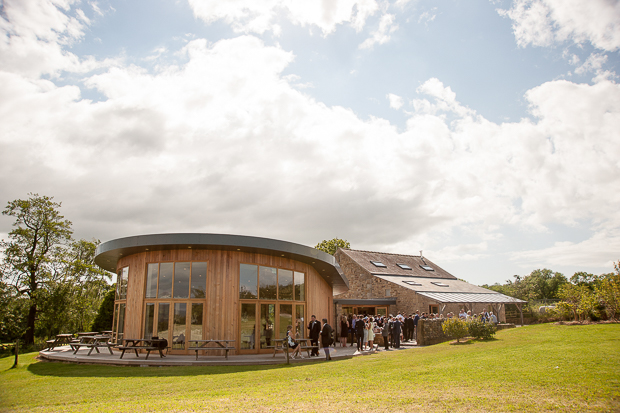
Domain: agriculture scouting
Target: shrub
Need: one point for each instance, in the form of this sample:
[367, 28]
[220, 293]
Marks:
[455, 328]
[478, 329]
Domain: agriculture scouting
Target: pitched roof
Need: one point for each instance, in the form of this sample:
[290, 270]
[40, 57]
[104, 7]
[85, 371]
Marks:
[391, 261]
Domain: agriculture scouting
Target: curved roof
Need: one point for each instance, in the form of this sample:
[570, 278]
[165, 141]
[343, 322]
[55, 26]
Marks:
[109, 252]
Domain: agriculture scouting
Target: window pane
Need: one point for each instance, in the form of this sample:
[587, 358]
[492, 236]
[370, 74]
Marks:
[151, 280]
[165, 280]
[299, 321]
[199, 280]
[196, 325]
[124, 279]
[248, 280]
[178, 325]
[163, 315]
[149, 318]
[115, 323]
[121, 321]
[268, 283]
[248, 326]
[285, 284]
[181, 280]
[300, 286]
[267, 323]
[118, 285]
[286, 318]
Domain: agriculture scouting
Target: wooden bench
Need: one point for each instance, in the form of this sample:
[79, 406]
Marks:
[134, 344]
[93, 342]
[280, 345]
[203, 345]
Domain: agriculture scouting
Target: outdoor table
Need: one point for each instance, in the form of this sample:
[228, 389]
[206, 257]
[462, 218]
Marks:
[93, 342]
[90, 333]
[59, 341]
[202, 345]
[148, 344]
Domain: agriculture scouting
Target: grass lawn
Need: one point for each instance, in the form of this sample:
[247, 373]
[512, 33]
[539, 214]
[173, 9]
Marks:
[535, 368]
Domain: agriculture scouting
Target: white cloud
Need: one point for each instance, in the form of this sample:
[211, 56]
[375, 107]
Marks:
[383, 33]
[259, 16]
[545, 22]
[396, 102]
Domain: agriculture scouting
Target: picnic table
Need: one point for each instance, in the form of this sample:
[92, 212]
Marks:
[93, 342]
[148, 344]
[204, 345]
[279, 345]
[60, 340]
[86, 334]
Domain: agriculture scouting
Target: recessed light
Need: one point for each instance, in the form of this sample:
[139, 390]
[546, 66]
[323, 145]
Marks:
[188, 247]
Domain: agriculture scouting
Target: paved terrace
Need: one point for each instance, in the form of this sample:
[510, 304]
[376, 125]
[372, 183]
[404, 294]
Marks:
[65, 354]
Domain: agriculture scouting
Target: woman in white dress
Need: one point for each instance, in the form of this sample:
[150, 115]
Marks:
[371, 333]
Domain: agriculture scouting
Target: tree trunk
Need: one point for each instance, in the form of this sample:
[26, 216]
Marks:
[32, 315]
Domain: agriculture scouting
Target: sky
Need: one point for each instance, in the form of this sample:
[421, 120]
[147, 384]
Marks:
[483, 133]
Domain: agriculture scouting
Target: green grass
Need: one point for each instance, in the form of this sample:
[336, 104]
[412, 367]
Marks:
[536, 368]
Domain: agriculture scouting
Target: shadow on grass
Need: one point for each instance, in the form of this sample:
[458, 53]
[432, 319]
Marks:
[60, 369]
[473, 341]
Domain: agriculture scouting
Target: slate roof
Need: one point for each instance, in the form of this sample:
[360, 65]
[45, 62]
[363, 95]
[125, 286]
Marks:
[364, 258]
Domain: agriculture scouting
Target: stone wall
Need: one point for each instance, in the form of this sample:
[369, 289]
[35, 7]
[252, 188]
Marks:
[430, 332]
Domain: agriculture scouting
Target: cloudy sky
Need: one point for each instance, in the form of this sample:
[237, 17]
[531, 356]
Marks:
[485, 133]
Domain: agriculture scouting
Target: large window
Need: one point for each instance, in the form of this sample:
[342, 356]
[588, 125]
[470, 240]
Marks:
[121, 283]
[268, 283]
[176, 280]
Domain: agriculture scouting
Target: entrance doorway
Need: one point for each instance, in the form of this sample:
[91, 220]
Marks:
[268, 321]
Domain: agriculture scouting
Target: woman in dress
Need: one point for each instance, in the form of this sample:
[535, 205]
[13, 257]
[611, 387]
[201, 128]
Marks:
[344, 330]
[365, 345]
[292, 343]
[371, 333]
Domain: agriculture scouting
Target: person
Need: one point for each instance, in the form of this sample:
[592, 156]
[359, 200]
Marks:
[365, 345]
[315, 330]
[493, 317]
[292, 343]
[410, 328]
[326, 338]
[352, 329]
[396, 324]
[371, 334]
[344, 330]
[416, 318]
[359, 333]
[385, 332]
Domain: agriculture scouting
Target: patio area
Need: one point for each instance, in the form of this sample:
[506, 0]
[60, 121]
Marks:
[65, 354]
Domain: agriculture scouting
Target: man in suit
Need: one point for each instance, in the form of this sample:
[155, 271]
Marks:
[396, 324]
[410, 327]
[326, 338]
[359, 333]
[315, 331]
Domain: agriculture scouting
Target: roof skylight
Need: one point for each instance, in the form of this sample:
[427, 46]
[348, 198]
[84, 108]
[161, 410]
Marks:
[412, 283]
[378, 264]
[404, 266]
[427, 267]
[439, 284]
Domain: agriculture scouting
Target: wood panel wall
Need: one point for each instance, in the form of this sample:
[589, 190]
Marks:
[222, 302]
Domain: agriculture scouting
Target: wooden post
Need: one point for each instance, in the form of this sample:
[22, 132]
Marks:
[16, 354]
[285, 344]
[520, 311]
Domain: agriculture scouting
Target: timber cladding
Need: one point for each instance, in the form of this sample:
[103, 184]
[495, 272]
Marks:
[222, 305]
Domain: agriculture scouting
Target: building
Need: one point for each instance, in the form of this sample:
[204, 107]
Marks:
[382, 283]
[212, 286]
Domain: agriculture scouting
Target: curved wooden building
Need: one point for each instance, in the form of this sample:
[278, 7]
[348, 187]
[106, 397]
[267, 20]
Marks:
[221, 287]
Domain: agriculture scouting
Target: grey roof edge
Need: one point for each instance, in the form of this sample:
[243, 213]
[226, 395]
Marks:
[108, 253]
[502, 298]
[368, 301]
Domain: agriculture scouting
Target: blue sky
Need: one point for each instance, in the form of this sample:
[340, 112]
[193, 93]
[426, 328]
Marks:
[482, 132]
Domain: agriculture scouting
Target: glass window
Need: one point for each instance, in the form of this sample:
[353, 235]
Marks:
[151, 280]
[163, 320]
[196, 323]
[248, 326]
[286, 318]
[124, 278]
[299, 321]
[267, 324]
[165, 280]
[268, 278]
[300, 286]
[121, 322]
[149, 319]
[178, 326]
[285, 285]
[199, 280]
[115, 322]
[248, 281]
[181, 279]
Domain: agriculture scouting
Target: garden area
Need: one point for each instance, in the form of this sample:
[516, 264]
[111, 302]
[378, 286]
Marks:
[545, 367]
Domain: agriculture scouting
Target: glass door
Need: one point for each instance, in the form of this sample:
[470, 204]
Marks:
[247, 333]
[267, 325]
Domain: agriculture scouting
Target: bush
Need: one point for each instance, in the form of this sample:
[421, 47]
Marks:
[103, 320]
[478, 329]
[455, 328]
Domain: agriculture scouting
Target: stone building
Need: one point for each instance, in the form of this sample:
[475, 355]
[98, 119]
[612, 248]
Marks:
[382, 283]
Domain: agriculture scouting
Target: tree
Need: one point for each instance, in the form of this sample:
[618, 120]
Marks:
[103, 319]
[608, 291]
[577, 299]
[332, 245]
[455, 328]
[39, 236]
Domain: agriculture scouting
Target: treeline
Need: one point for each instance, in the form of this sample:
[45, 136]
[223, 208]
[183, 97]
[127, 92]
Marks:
[49, 283]
[582, 296]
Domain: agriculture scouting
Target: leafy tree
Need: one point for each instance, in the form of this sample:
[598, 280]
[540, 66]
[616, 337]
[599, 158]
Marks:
[40, 234]
[577, 299]
[332, 245]
[13, 311]
[455, 328]
[105, 315]
[608, 291]
[477, 329]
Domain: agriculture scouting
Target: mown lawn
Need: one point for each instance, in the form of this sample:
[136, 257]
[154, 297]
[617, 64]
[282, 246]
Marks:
[536, 368]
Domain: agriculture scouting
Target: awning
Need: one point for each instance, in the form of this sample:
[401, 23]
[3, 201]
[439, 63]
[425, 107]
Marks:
[365, 302]
[470, 298]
